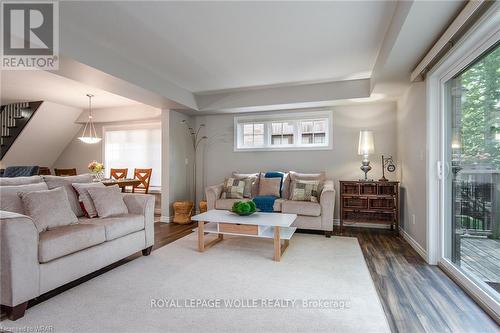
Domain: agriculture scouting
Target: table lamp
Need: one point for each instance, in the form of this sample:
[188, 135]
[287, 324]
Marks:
[365, 147]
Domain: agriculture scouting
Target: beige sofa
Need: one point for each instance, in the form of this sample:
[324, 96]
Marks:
[311, 215]
[34, 263]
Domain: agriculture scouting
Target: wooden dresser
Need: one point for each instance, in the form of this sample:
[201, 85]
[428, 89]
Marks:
[369, 202]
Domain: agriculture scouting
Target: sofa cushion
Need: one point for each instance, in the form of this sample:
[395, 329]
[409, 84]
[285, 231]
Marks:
[11, 201]
[294, 176]
[108, 201]
[270, 186]
[301, 208]
[6, 181]
[84, 198]
[57, 181]
[227, 204]
[117, 226]
[305, 190]
[68, 239]
[277, 205]
[235, 188]
[251, 187]
[48, 209]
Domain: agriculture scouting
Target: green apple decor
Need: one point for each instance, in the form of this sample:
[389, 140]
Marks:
[244, 208]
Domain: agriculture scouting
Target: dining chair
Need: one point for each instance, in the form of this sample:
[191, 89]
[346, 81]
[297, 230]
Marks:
[65, 172]
[144, 175]
[44, 171]
[118, 173]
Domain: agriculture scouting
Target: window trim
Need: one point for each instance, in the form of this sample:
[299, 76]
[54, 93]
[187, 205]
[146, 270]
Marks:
[267, 119]
[124, 127]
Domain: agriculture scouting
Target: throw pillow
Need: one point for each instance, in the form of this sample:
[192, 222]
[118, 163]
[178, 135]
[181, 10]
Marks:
[306, 190]
[14, 181]
[295, 176]
[270, 186]
[56, 181]
[84, 198]
[108, 201]
[276, 174]
[11, 201]
[252, 186]
[233, 188]
[48, 209]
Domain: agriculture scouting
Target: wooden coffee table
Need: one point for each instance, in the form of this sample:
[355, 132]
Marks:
[276, 226]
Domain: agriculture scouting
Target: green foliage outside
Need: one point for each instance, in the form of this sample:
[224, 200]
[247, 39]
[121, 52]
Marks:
[480, 112]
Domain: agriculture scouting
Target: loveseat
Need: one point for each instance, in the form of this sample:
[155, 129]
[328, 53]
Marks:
[311, 215]
[34, 262]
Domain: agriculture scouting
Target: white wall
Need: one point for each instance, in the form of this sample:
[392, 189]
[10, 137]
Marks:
[412, 155]
[180, 151]
[44, 137]
[341, 163]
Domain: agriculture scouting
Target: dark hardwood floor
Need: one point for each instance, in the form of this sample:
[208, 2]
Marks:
[416, 297]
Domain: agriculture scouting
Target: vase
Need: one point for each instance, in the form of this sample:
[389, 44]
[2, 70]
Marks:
[98, 176]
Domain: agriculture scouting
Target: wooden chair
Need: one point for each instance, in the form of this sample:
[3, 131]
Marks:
[119, 173]
[44, 171]
[65, 172]
[144, 175]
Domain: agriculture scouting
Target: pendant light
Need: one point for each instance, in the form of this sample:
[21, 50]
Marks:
[89, 136]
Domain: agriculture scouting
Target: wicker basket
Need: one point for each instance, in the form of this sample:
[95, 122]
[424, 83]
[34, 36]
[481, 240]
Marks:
[183, 211]
[203, 206]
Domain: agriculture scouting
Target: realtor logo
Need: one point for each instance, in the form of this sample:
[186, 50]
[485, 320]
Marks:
[30, 38]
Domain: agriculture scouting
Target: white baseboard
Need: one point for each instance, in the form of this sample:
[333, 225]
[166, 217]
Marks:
[363, 225]
[414, 244]
[165, 219]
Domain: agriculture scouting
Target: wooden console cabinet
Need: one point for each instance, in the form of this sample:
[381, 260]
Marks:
[369, 202]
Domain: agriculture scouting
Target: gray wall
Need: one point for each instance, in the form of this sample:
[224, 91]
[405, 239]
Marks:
[412, 154]
[180, 150]
[341, 163]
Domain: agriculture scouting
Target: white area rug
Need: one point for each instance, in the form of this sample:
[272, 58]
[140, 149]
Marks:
[313, 268]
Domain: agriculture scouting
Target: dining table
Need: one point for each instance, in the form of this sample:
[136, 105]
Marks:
[122, 183]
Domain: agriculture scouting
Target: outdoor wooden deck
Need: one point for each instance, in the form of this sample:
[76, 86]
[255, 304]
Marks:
[482, 257]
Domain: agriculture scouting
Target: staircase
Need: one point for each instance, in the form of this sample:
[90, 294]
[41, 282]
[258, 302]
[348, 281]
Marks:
[13, 118]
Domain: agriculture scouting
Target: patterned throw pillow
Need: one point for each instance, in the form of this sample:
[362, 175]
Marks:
[306, 190]
[233, 188]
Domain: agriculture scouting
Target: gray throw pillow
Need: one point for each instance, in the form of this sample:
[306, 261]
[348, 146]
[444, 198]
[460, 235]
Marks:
[108, 201]
[84, 197]
[14, 181]
[48, 209]
[56, 181]
[11, 201]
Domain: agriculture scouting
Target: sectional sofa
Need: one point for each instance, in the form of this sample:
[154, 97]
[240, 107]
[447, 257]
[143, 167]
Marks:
[33, 262]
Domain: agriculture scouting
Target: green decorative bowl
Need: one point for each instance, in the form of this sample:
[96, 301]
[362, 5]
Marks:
[244, 208]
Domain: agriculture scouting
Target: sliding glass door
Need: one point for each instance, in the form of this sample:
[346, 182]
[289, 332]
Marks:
[472, 186]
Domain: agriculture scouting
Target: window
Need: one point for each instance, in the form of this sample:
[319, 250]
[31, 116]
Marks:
[137, 146]
[282, 134]
[310, 130]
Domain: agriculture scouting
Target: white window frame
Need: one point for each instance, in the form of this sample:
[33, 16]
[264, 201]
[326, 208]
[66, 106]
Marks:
[268, 119]
[125, 127]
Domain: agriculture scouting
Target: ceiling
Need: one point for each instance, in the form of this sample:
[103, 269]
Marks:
[204, 46]
[232, 56]
[44, 86]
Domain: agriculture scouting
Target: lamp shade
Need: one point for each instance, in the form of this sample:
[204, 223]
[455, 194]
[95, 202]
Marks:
[366, 145]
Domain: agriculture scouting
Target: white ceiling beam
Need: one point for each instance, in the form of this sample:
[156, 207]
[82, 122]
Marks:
[398, 19]
[282, 97]
[82, 49]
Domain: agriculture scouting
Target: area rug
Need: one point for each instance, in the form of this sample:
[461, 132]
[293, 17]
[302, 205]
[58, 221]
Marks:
[321, 285]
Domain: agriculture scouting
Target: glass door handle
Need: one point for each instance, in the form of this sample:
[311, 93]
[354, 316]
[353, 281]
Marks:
[443, 170]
